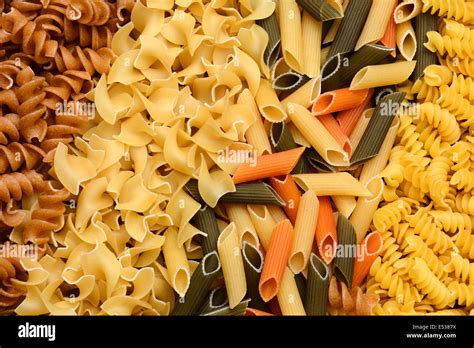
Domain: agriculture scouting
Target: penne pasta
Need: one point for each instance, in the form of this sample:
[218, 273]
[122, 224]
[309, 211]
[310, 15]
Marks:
[344, 261]
[406, 40]
[290, 193]
[276, 259]
[277, 213]
[345, 204]
[326, 233]
[239, 215]
[374, 166]
[370, 248]
[333, 127]
[289, 16]
[253, 264]
[331, 184]
[201, 281]
[268, 103]
[321, 10]
[338, 100]
[288, 296]
[406, 10]
[389, 39]
[305, 228]
[312, 31]
[348, 119]
[281, 163]
[377, 20]
[230, 255]
[317, 135]
[263, 222]
[176, 262]
[382, 75]
[305, 95]
[317, 286]
[366, 206]
[255, 135]
[361, 126]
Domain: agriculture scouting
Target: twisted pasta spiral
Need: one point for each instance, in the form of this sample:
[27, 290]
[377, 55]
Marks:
[431, 233]
[89, 12]
[463, 179]
[452, 222]
[416, 247]
[401, 232]
[389, 279]
[432, 141]
[460, 66]
[392, 307]
[456, 104]
[392, 213]
[409, 136]
[463, 85]
[415, 172]
[438, 182]
[412, 192]
[463, 270]
[460, 155]
[437, 75]
[48, 217]
[455, 9]
[452, 46]
[31, 110]
[455, 29]
[463, 203]
[14, 155]
[428, 284]
[35, 42]
[389, 252]
[424, 91]
[461, 293]
[444, 122]
[464, 241]
[16, 185]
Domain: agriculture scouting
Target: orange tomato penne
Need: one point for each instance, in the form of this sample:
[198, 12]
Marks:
[333, 127]
[281, 163]
[289, 192]
[326, 233]
[338, 100]
[348, 119]
[390, 38]
[368, 252]
[252, 312]
[276, 260]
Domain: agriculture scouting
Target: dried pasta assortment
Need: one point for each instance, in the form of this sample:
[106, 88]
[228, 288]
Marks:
[237, 157]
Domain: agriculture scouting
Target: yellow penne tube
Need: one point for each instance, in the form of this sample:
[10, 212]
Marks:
[360, 127]
[332, 184]
[288, 296]
[406, 40]
[176, 262]
[407, 10]
[228, 247]
[376, 22]
[239, 215]
[305, 227]
[345, 204]
[312, 31]
[289, 16]
[305, 95]
[365, 208]
[268, 103]
[374, 166]
[382, 75]
[263, 222]
[317, 135]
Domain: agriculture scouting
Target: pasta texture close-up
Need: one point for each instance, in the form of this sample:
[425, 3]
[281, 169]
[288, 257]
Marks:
[236, 157]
